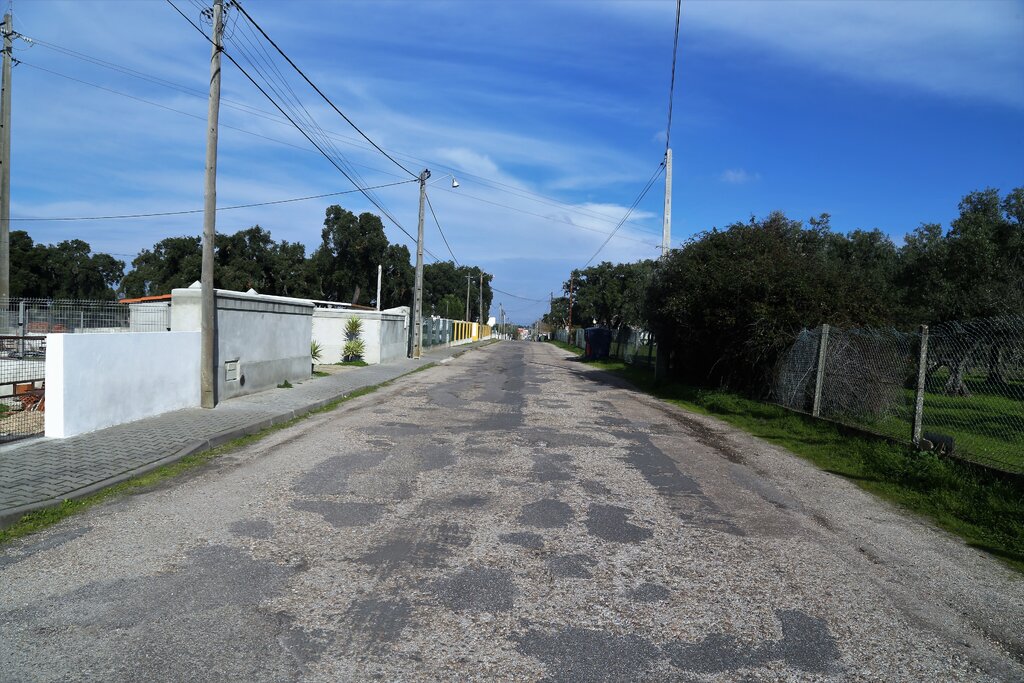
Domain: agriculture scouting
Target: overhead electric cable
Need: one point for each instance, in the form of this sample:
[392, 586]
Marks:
[299, 128]
[516, 296]
[313, 85]
[438, 224]
[513, 190]
[632, 207]
[219, 208]
[672, 82]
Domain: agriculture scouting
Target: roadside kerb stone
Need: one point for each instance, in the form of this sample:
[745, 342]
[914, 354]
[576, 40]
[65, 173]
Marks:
[44, 478]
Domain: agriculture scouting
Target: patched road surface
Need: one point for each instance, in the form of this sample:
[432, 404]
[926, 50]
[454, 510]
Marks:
[510, 515]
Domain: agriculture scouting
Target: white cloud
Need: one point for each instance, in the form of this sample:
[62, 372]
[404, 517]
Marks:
[738, 176]
[967, 50]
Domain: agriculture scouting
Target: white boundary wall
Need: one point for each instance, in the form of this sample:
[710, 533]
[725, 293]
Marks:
[385, 334]
[261, 340]
[101, 380]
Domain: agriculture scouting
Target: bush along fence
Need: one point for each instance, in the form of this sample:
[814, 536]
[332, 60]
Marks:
[956, 388]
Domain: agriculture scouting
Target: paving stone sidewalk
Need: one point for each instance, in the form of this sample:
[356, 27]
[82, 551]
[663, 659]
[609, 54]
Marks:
[43, 472]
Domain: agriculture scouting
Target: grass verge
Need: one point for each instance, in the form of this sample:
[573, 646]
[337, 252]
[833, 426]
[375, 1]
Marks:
[40, 519]
[983, 508]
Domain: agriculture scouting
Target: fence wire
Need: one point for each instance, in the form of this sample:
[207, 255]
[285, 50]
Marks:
[24, 324]
[972, 403]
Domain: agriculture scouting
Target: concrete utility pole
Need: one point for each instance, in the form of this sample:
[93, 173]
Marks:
[208, 348]
[469, 278]
[5, 163]
[666, 230]
[380, 270]
[482, 321]
[417, 311]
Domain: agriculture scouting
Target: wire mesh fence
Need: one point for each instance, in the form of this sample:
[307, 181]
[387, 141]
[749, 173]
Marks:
[24, 324]
[46, 316]
[957, 388]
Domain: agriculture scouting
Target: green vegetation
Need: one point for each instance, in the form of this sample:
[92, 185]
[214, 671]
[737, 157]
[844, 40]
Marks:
[285, 385]
[353, 363]
[354, 346]
[316, 351]
[984, 509]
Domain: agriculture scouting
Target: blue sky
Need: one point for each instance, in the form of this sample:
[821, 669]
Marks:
[881, 113]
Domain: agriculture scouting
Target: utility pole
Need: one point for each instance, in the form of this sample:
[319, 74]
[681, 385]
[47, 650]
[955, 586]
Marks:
[481, 299]
[666, 230]
[468, 279]
[417, 311]
[380, 269]
[569, 335]
[5, 163]
[208, 325]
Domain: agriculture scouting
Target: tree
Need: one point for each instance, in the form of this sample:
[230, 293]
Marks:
[446, 281]
[172, 263]
[66, 270]
[344, 267]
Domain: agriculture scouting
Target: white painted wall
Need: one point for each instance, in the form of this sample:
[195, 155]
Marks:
[100, 380]
[268, 335]
[385, 333]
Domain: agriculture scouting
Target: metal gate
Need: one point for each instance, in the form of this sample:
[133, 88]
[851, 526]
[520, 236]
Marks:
[22, 386]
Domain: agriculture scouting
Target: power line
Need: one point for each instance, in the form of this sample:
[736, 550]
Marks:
[513, 190]
[636, 202]
[298, 127]
[516, 296]
[238, 5]
[314, 151]
[220, 208]
[438, 224]
[672, 83]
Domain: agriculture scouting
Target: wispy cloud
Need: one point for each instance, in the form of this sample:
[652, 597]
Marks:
[963, 50]
[738, 176]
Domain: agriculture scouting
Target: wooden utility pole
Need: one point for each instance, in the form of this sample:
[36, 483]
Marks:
[5, 163]
[666, 229]
[417, 311]
[208, 326]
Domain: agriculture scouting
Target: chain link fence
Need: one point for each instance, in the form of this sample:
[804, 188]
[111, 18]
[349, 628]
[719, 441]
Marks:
[957, 387]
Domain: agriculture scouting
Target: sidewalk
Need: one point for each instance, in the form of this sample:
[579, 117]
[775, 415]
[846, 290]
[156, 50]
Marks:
[44, 472]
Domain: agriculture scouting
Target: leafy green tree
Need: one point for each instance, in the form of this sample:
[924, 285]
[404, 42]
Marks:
[344, 267]
[66, 270]
[444, 284]
[172, 263]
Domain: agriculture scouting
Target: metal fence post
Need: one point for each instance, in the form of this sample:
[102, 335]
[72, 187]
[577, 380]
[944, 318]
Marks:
[21, 326]
[819, 380]
[922, 367]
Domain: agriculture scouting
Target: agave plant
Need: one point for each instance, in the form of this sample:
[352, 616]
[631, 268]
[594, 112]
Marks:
[354, 349]
[316, 351]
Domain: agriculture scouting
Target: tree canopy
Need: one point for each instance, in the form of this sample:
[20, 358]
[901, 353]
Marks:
[66, 270]
[726, 304]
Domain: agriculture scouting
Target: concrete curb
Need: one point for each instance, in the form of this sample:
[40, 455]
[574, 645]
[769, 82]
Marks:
[11, 516]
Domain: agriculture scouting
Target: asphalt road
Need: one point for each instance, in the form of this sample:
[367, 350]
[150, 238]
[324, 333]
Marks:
[511, 515]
